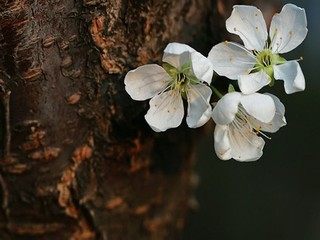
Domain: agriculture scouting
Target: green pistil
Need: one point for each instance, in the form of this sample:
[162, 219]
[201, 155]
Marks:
[266, 59]
[181, 84]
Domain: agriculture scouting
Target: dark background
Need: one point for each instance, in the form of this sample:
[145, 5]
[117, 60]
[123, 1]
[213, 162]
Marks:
[278, 196]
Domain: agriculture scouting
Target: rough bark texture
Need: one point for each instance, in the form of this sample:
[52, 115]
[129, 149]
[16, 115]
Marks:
[77, 158]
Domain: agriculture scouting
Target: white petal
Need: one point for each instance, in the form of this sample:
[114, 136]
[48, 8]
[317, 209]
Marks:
[202, 67]
[166, 111]
[146, 81]
[230, 142]
[177, 48]
[253, 82]
[221, 142]
[290, 26]
[278, 120]
[177, 54]
[248, 23]
[260, 106]
[227, 107]
[199, 109]
[245, 146]
[231, 59]
[292, 75]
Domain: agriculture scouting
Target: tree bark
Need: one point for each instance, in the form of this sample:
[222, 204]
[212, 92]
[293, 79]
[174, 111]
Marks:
[78, 160]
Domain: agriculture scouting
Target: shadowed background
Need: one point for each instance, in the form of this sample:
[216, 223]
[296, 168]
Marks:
[277, 197]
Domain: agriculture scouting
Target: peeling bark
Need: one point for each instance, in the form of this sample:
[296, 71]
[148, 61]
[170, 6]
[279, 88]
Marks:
[77, 159]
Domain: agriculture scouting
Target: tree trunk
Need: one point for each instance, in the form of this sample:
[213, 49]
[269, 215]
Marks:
[78, 160]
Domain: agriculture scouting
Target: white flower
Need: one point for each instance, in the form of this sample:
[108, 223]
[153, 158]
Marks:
[240, 119]
[257, 63]
[182, 76]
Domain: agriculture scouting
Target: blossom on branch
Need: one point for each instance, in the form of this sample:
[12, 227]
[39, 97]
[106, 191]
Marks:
[258, 63]
[241, 118]
[185, 74]
[240, 122]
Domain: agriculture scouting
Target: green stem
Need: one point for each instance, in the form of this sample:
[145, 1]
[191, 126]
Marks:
[217, 92]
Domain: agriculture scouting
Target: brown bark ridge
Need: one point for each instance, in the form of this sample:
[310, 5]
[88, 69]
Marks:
[78, 160]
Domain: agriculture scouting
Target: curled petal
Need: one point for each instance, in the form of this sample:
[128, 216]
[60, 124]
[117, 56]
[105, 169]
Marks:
[166, 111]
[231, 59]
[260, 106]
[227, 107]
[243, 146]
[177, 54]
[248, 23]
[292, 75]
[246, 145]
[146, 81]
[288, 28]
[177, 49]
[253, 82]
[202, 67]
[278, 120]
[199, 109]
[221, 142]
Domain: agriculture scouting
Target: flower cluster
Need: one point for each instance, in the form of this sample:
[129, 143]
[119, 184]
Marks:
[243, 117]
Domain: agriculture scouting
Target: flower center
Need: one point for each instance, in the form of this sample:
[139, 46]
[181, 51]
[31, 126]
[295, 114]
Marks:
[181, 78]
[266, 58]
[265, 61]
[180, 83]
